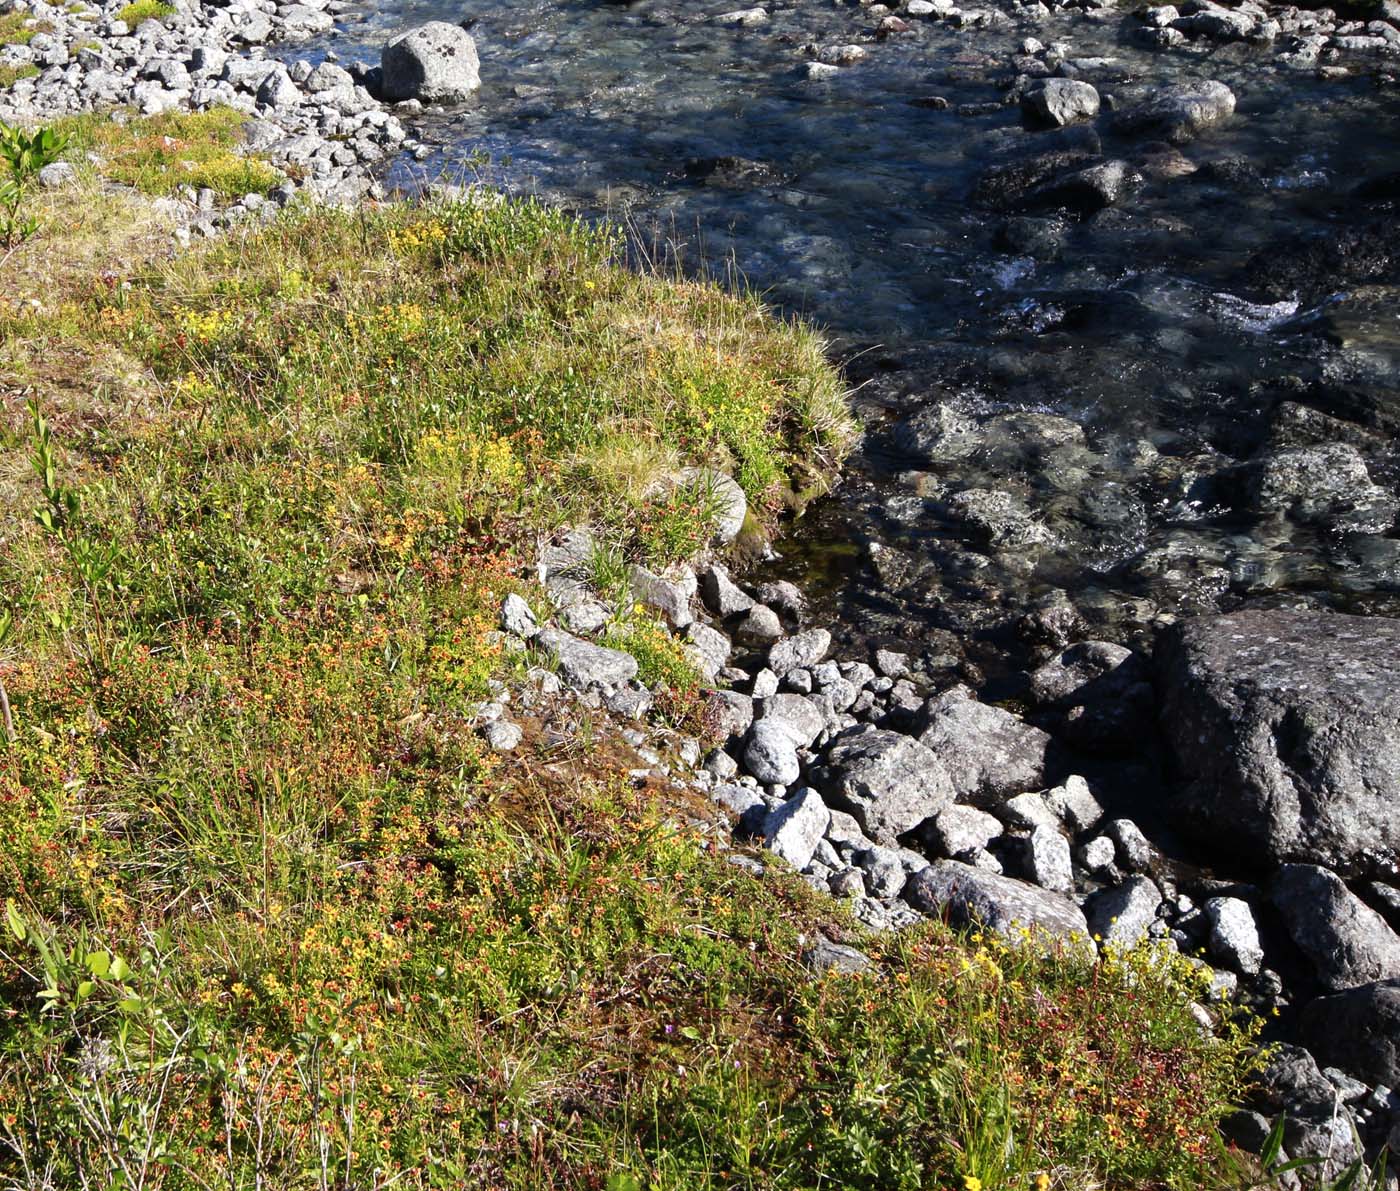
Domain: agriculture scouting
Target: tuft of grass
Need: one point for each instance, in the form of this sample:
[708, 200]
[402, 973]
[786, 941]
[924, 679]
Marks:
[159, 154]
[10, 75]
[144, 10]
[18, 28]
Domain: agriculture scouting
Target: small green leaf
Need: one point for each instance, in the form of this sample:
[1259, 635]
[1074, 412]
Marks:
[131, 1005]
[119, 969]
[17, 927]
[85, 989]
[99, 963]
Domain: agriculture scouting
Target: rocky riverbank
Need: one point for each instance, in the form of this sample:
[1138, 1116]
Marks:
[905, 796]
[1222, 785]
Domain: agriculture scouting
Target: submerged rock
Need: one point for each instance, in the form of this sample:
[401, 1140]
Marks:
[1178, 114]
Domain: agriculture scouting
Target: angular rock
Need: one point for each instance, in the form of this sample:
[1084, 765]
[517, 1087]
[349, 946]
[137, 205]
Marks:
[1285, 724]
[794, 830]
[1100, 695]
[969, 897]
[722, 596]
[434, 63]
[798, 717]
[824, 956]
[987, 752]
[1047, 860]
[583, 664]
[1234, 934]
[1121, 916]
[884, 873]
[888, 781]
[801, 651]
[771, 754]
[959, 830]
[1348, 943]
[1358, 1031]
[668, 594]
[517, 619]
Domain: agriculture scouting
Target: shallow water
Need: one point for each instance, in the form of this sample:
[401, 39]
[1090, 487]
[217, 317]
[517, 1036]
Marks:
[1144, 325]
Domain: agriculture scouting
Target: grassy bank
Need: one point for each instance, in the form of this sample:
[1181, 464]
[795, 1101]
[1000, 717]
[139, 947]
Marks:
[275, 916]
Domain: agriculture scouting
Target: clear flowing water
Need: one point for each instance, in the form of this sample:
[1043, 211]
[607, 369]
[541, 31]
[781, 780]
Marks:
[1108, 371]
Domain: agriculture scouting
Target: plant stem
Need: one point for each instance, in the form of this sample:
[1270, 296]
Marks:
[9, 719]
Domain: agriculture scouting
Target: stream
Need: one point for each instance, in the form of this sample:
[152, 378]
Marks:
[1081, 421]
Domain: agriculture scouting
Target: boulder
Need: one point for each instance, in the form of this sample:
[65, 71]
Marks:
[988, 752]
[794, 830]
[969, 897]
[583, 664]
[434, 63]
[1347, 942]
[1180, 112]
[1358, 1031]
[889, 782]
[1284, 723]
[1054, 103]
[1234, 934]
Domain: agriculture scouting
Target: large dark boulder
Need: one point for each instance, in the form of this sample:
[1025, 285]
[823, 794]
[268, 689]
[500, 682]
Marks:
[1287, 727]
[1358, 1031]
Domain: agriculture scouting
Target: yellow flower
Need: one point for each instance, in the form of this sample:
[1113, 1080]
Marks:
[1042, 1181]
[971, 1183]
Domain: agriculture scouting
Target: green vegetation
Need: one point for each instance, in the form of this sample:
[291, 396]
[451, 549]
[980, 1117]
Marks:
[274, 915]
[144, 10]
[10, 75]
[22, 156]
[19, 28]
[158, 154]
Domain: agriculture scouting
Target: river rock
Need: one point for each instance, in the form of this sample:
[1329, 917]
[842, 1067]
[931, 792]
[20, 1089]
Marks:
[1284, 723]
[771, 754]
[517, 619]
[1327, 484]
[583, 664]
[1347, 942]
[937, 433]
[1358, 1031]
[794, 830]
[1179, 113]
[1234, 934]
[1121, 916]
[1057, 102]
[889, 782]
[970, 897]
[434, 63]
[987, 752]
[669, 594]
[799, 652]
